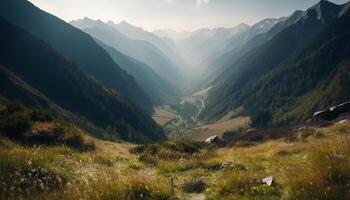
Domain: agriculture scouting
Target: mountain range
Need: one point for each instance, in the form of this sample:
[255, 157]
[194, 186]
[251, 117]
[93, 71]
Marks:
[141, 50]
[70, 69]
[289, 73]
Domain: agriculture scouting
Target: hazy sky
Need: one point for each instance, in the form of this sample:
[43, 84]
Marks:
[175, 14]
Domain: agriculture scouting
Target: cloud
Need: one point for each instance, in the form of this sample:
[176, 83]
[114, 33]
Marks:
[200, 2]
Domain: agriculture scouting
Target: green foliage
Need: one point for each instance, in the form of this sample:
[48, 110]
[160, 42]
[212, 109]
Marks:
[288, 75]
[151, 153]
[261, 118]
[16, 120]
[67, 85]
[69, 42]
[28, 171]
[36, 126]
[229, 134]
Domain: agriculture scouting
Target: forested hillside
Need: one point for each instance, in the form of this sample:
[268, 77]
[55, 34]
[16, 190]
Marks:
[274, 77]
[76, 46]
[65, 84]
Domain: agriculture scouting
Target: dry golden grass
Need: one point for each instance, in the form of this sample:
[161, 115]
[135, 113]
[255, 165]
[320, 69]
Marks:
[313, 168]
[109, 172]
[316, 165]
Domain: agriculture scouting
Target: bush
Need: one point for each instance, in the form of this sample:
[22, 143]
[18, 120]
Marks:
[55, 133]
[24, 172]
[34, 178]
[15, 125]
[194, 186]
[149, 153]
[37, 126]
[230, 134]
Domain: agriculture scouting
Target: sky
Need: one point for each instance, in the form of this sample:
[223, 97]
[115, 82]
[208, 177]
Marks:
[180, 15]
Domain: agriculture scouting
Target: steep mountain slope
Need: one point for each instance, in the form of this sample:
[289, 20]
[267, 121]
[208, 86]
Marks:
[75, 45]
[14, 88]
[47, 76]
[256, 82]
[138, 49]
[242, 43]
[260, 27]
[158, 89]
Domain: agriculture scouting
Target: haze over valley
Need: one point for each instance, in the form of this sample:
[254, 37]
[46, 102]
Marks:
[174, 99]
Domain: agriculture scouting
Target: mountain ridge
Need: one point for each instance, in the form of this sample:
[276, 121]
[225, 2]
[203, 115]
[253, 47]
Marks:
[67, 85]
[67, 39]
[245, 72]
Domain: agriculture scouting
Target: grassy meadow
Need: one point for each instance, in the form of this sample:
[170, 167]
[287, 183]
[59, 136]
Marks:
[313, 164]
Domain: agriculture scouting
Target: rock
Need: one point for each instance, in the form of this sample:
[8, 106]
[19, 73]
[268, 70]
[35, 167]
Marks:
[215, 140]
[212, 139]
[342, 121]
[268, 180]
[303, 128]
[227, 165]
[333, 112]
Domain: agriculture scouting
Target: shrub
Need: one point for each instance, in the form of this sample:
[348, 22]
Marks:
[34, 178]
[15, 125]
[230, 134]
[37, 126]
[24, 172]
[150, 153]
[55, 133]
[194, 186]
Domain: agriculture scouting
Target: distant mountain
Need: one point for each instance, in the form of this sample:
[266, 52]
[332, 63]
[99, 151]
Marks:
[35, 73]
[172, 34]
[163, 44]
[285, 75]
[76, 46]
[203, 44]
[158, 89]
[141, 50]
[241, 43]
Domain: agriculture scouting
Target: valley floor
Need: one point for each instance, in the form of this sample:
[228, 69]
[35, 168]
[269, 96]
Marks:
[314, 164]
[180, 120]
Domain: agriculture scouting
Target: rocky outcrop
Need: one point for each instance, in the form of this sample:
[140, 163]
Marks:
[333, 112]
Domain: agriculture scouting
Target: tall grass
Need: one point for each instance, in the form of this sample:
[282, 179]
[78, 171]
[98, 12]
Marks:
[126, 187]
[24, 171]
[326, 175]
